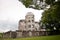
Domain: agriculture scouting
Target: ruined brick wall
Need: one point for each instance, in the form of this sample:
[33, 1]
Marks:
[31, 33]
[18, 34]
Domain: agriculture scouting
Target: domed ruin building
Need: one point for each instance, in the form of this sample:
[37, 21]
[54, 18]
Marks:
[29, 23]
[26, 28]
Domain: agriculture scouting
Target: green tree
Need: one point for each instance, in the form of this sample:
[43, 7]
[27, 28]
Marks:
[49, 2]
[26, 2]
[33, 4]
[37, 5]
[51, 17]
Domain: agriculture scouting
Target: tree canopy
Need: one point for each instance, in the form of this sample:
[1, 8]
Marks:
[51, 17]
[37, 4]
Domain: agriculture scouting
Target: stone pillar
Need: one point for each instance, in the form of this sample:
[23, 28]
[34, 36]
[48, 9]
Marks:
[19, 34]
[10, 34]
[30, 33]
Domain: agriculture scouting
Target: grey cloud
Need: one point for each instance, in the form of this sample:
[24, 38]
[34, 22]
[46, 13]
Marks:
[8, 26]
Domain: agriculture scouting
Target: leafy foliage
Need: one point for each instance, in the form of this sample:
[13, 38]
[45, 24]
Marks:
[33, 4]
[51, 17]
[49, 2]
[26, 2]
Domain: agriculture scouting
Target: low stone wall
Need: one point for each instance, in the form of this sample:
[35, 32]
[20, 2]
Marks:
[31, 33]
[18, 34]
[9, 34]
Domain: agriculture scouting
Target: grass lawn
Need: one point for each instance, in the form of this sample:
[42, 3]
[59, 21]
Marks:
[55, 37]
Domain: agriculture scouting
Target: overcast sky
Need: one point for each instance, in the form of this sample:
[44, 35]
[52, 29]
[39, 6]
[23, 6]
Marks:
[11, 11]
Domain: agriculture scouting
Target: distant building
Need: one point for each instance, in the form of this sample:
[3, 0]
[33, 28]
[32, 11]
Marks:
[26, 28]
[29, 27]
[29, 23]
